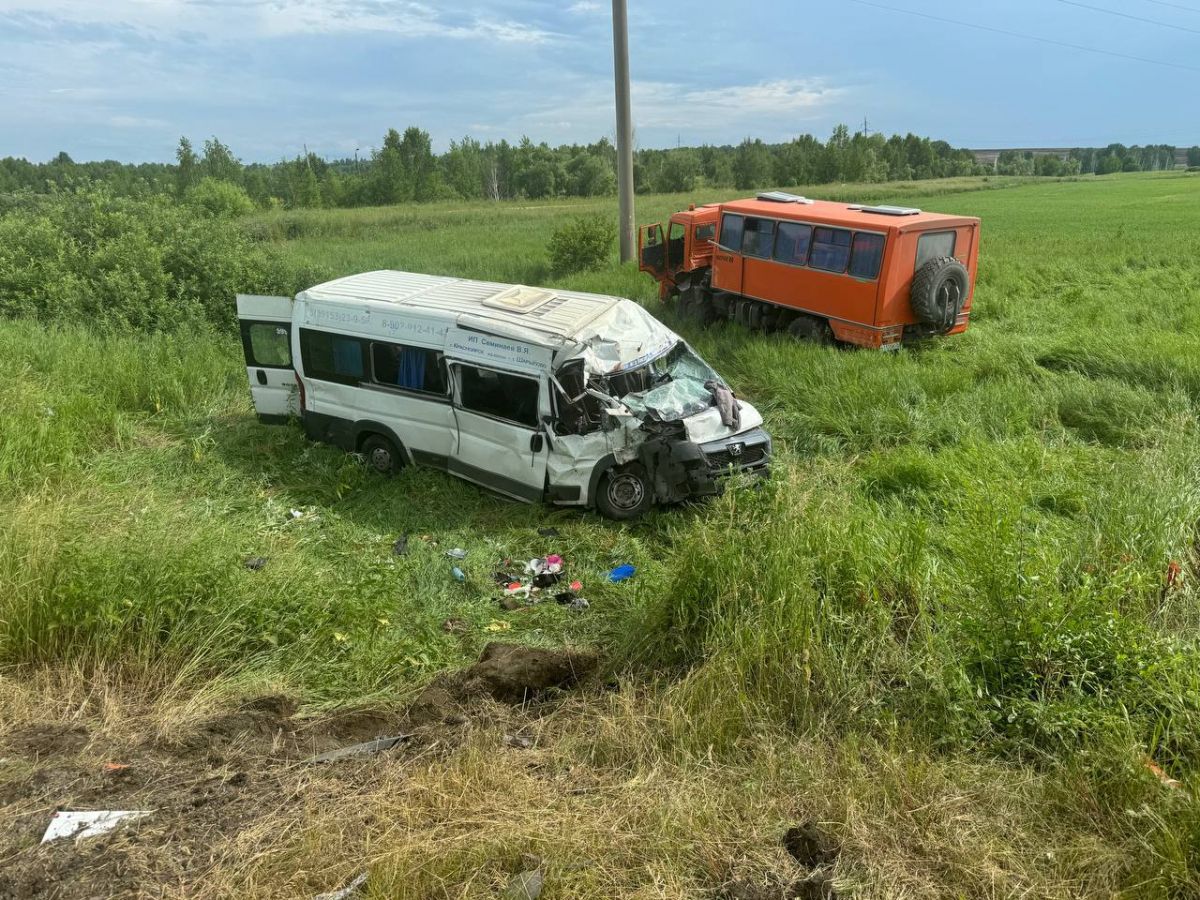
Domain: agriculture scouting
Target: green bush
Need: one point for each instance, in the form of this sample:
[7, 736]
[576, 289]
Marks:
[93, 258]
[582, 244]
[220, 198]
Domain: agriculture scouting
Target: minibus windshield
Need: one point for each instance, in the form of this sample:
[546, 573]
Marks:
[672, 386]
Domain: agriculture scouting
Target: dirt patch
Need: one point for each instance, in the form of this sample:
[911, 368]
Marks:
[810, 846]
[44, 739]
[506, 673]
[228, 775]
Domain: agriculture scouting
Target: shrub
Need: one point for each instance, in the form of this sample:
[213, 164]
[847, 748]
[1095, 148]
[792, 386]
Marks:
[582, 244]
[220, 198]
[112, 262]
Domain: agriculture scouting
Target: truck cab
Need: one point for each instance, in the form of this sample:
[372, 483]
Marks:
[675, 254]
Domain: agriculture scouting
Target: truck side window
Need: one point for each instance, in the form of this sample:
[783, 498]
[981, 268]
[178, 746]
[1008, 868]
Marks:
[866, 255]
[759, 238]
[792, 244]
[830, 249]
[706, 232]
[934, 245]
[510, 397]
[332, 357]
[411, 368]
[731, 232]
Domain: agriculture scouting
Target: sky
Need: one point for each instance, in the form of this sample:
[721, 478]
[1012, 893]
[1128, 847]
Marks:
[123, 79]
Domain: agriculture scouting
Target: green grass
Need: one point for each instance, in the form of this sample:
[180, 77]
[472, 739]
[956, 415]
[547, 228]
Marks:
[966, 550]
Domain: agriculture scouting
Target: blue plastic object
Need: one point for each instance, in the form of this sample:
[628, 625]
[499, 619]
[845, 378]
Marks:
[620, 573]
[458, 574]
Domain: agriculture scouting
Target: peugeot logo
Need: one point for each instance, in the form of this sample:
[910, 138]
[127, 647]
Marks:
[735, 450]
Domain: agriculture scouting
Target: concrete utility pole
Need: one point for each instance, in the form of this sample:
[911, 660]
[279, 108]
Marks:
[624, 130]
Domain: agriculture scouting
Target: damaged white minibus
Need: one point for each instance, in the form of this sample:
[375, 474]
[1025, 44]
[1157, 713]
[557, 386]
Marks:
[537, 394]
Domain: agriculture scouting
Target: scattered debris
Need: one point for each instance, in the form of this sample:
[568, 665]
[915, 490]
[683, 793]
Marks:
[577, 586]
[254, 563]
[517, 742]
[457, 553]
[115, 769]
[400, 547]
[511, 604]
[498, 626]
[810, 846]
[621, 573]
[548, 532]
[87, 824]
[458, 574]
[1166, 780]
[455, 626]
[525, 886]
[348, 891]
[578, 604]
[376, 746]
[296, 514]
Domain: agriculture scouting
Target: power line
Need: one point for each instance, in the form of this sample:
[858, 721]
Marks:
[1028, 37]
[1113, 12]
[1190, 9]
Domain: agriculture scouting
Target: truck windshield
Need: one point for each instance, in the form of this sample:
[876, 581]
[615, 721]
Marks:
[669, 387]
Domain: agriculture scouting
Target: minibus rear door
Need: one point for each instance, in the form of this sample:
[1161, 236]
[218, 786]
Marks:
[266, 324]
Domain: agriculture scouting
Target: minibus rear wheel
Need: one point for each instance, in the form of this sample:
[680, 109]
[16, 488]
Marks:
[624, 492]
[381, 455]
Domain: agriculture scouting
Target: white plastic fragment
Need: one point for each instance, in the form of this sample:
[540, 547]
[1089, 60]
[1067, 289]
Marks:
[89, 823]
[345, 892]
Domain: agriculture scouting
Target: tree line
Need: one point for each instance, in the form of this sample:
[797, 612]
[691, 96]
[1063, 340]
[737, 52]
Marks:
[404, 169]
[1092, 161]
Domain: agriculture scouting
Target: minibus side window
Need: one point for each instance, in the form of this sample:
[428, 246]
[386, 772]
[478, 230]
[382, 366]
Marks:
[411, 368]
[333, 357]
[499, 394]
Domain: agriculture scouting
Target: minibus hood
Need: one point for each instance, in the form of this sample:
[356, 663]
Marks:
[706, 426]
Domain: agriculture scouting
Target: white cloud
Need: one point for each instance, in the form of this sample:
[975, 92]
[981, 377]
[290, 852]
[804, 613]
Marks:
[586, 7]
[162, 19]
[711, 114]
[399, 17]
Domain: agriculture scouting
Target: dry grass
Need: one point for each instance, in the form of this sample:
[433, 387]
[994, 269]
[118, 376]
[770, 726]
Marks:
[600, 798]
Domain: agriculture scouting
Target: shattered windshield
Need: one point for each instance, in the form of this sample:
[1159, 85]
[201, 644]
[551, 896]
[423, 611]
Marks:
[669, 387]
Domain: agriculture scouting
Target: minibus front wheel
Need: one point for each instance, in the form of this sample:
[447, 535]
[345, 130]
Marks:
[625, 492]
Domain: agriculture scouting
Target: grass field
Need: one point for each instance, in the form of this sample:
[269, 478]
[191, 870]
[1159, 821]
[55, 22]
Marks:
[952, 630]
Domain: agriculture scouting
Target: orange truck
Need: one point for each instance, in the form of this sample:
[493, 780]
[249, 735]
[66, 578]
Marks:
[875, 276]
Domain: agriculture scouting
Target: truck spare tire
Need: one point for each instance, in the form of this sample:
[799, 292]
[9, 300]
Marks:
[939, 291]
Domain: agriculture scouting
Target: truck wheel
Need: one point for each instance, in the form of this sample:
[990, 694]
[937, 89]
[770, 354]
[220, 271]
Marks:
[939, 291]
[756, 315]
[810, 328]
[701, 307]
[624, 493]
[381, 455]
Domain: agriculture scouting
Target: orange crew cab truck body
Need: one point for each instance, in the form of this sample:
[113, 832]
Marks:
[875, 276]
